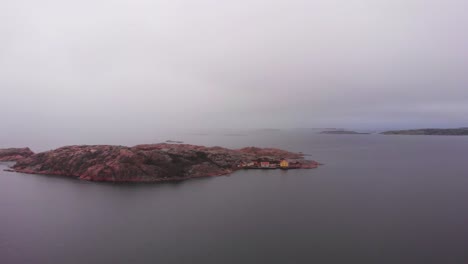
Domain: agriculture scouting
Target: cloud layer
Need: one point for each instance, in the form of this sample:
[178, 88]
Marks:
[102, 65]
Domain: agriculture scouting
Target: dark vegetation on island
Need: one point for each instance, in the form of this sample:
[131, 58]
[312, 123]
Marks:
[155, 162]
[430, 131]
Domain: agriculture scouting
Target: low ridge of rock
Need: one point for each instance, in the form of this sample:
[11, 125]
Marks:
[15, 154]
[147, 163]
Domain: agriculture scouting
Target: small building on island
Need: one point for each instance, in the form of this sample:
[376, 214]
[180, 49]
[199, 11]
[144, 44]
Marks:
[264, 164]
[284, 164]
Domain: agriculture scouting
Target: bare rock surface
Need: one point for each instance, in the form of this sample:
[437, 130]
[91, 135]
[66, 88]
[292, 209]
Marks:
[15, 154]
[147, 163]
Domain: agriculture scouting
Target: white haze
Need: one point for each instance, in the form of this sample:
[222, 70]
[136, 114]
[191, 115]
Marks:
[75, 70]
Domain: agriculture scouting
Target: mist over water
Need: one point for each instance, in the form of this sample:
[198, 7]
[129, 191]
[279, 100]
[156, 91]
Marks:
[377, 199]
[93, 69]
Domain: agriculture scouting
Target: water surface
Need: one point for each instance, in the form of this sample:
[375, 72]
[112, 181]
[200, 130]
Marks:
[378, 199]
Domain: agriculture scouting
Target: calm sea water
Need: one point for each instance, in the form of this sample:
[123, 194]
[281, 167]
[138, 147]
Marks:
[378, 199]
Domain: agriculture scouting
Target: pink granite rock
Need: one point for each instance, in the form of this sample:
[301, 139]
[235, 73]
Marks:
[15, 154]
[146, 163]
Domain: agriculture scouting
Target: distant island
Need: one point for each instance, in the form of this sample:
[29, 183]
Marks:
[342, 132]
[430, 132]
[174, 141]
[152, 163]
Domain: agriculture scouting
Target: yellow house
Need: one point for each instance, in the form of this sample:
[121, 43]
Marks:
[284, 164]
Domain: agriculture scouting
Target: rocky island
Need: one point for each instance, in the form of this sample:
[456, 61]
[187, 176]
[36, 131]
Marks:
[430, 132]
[15, 154]
[155, 162]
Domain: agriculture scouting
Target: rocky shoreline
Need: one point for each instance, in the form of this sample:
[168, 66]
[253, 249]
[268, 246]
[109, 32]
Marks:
[150, 163]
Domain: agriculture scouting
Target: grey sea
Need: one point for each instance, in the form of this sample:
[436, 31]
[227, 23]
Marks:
[378, 199]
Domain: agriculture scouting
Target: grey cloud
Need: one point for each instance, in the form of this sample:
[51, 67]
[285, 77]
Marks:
[104, 65]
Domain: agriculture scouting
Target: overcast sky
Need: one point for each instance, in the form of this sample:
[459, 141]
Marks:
[100, 65]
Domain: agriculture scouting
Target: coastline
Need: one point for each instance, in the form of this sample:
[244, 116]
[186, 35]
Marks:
[155, 162]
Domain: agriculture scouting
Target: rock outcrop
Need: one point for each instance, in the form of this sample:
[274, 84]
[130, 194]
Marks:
[147, 163]
[15, 154]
